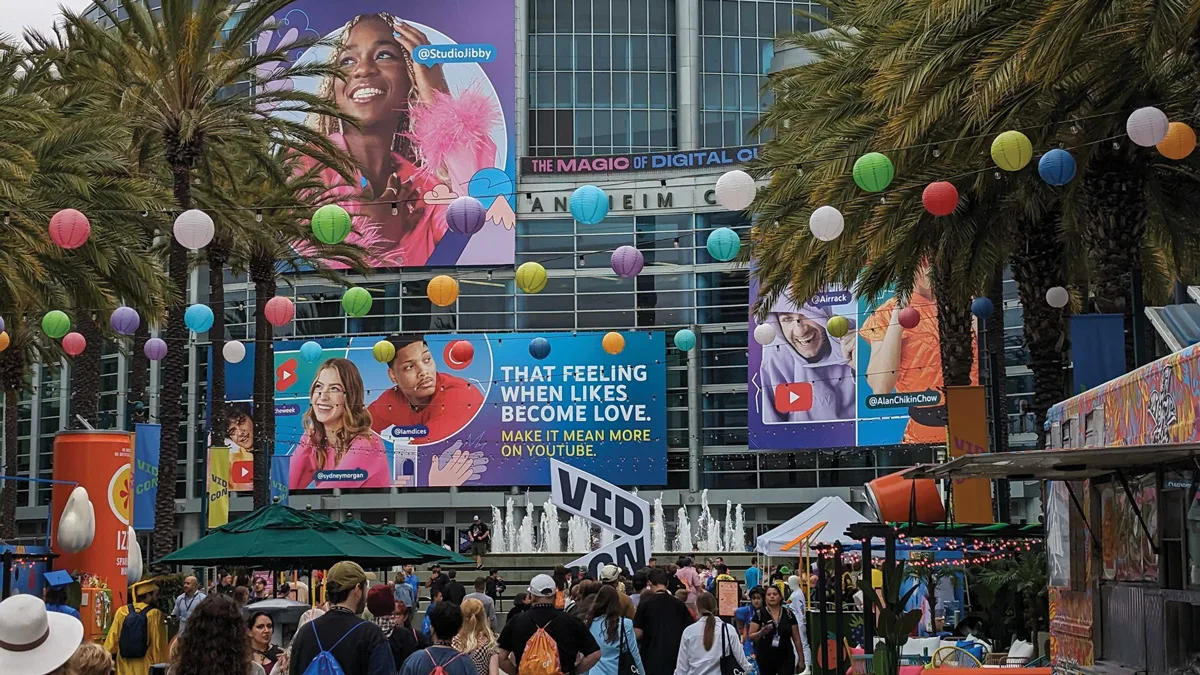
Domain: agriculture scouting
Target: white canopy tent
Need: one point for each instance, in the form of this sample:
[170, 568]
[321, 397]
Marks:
[832, 510]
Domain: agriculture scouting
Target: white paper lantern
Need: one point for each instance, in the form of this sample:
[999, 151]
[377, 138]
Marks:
[1147, 126]
[764, 334]
[735, 190]
[194, 229]
[234, 351]
[826, 223]
[1057, 297]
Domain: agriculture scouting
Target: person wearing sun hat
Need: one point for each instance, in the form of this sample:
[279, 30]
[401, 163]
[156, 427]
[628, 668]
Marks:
[34, 641]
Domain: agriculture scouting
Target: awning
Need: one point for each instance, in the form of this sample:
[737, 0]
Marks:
[1062, 464]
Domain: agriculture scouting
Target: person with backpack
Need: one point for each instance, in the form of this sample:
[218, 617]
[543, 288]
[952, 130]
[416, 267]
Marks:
[138, 637]
[445, 620]
[544, 640]
[340, 642]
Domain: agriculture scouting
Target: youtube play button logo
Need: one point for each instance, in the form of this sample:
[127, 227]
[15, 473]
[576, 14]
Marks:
[793, 397]
[241, 472]
[285, 375]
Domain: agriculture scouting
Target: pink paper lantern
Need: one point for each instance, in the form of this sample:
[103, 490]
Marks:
[74, 344]
[69, 229]
[279, 310]
[627, 261]
[909, 318]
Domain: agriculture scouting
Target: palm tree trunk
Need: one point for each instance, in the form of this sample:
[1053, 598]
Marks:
[139, 375]
[954, 325]
[12, 380]
[262, 272]
[1037, 265]
[218, 254]
[85, 374]
[995, 344]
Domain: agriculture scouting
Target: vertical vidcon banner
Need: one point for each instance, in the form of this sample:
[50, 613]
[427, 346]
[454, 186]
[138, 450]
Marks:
[967, 407]
[145, 474]
[218, 486]
[433, 87]
[279, 479]
[580, 493]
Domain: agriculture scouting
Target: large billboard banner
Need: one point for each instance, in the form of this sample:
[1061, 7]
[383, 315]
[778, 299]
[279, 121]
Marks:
[465, 409]
[879, 384]
[432, 87]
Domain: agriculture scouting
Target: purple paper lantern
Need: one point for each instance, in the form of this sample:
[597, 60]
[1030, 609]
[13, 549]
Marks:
[466, 215]
[627, 262]
[124, 320]
[155, 349]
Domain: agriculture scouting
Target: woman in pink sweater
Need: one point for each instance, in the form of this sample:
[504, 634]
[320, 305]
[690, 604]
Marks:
[338, 449]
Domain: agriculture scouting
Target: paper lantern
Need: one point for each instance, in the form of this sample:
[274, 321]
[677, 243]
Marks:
[69, 228]
[4, 340]
[1147, 126]
[124, 321]
[531, 277]
[331, 224]
[279, 311]
[627, 261]
[982, 308]
[1179, 142]
[1057, 297]
[356, 301]
[685, 340]
[764, 333]
[940, 198]
[55, 324]
[384, 351]
[155, 349]
[837, 327]
[826, 223]
[1, 324]
[466, 215]
[198, 318]
[311, 351]
[723, 244]
[735, 190]
[442, 290]
[588, 204]
[234, 351]
[458, 354]
[539, 348]
[74, 344]
[1012, 150]
[909, 318]
[613, 342]
[873, 172]
[1057, 167]
[194, 229]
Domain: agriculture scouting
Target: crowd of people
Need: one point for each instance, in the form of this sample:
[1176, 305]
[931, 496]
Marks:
[686, 618]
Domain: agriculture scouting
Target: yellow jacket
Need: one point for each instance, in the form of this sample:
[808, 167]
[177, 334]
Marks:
[157, 651]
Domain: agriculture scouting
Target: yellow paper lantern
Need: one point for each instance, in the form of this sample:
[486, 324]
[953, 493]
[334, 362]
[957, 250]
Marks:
[531, 277]
[1012, 151]
[613, 343]
[442, 290]
[384, 351]
[1179, 143]
[4, 340]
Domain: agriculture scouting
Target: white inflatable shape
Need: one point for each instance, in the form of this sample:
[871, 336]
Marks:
[133, 571]
[77, 525]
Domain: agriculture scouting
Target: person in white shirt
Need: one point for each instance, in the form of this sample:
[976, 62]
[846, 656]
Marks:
[797, 604]
[706, 641]
[186, 601]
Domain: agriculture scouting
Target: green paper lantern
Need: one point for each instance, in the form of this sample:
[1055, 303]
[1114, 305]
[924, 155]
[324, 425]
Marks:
[873, 172]
[838, 326]
[1012, 151]
[56, 324]
[357, 302]
[331, 224]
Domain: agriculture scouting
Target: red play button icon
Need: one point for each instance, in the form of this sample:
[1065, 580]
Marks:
[241, 472]
[285, 375]
[793, 397]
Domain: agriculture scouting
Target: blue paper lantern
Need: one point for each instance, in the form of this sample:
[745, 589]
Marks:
[311, 351]
[982, 308]
[685, 340]
[589, 204]
[1057, 167]
[724, 244]
[539, 348]
[198, 318]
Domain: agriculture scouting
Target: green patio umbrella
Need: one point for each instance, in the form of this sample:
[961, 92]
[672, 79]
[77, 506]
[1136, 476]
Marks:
[393, 536]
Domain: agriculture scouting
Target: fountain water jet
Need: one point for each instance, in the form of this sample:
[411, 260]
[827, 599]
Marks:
[658, 527]
[579, 535]
[549, 538]
[499, 543]
[683, 531]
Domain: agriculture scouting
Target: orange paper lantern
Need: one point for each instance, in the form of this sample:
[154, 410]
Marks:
[1179, 143]
[442, 290]
[613, 343]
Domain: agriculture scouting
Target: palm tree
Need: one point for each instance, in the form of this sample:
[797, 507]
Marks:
[1025, 577]
[173, 80]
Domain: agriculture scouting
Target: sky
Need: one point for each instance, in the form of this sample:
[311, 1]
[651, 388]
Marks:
[16, 15]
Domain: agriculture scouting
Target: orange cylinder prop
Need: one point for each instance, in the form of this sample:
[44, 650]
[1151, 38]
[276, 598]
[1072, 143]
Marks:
[892, 496]
[100, 462]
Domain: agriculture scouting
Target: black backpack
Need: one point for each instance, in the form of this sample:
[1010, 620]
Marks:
[135, 634]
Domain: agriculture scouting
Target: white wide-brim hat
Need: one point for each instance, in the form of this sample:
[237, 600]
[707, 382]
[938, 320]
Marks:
[34, 641]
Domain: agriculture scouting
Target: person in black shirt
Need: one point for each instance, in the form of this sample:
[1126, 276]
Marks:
[437, 580]
[405, 639]
[363, 649]
[673, 582]
[520, 604]
[577, 649]
[776, 635]
[453, 591]
[495, 587]
[480, 537]
[659, 624]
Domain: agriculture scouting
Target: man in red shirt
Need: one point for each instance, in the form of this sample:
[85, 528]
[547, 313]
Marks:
[425, 405]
